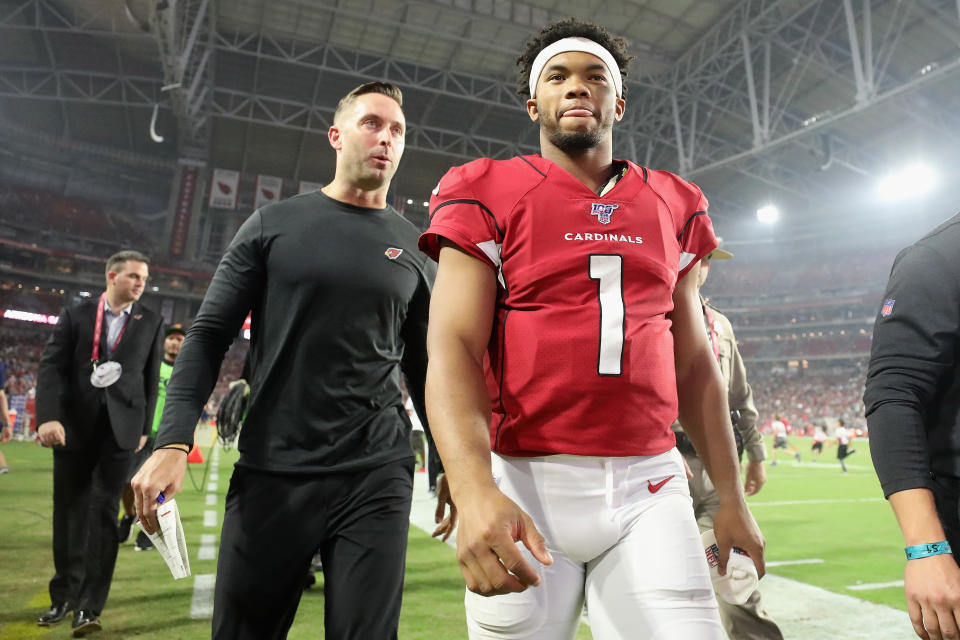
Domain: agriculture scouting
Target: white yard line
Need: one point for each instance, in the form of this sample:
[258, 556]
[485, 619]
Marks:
[823, 464]
[783, 503]
[870, 586]
[785, 563]
[201, 605]
[208, 547]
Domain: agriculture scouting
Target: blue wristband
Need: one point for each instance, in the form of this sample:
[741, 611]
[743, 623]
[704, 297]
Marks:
[926, 550]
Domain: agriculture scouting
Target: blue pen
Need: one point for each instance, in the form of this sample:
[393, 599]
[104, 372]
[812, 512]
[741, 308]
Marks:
[161, 498]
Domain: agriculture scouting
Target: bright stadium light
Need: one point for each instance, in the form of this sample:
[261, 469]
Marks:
[768, 214]
[912, 181]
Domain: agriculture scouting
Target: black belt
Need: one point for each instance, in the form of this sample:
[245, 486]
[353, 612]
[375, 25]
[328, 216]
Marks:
[686, 447]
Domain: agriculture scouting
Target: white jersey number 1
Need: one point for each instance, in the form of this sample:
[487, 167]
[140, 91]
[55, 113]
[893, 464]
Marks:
[608, 270]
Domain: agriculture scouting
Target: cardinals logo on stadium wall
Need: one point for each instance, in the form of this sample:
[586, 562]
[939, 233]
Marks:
[603, 211]
[392, 253]
[268, 194]
[224, 188]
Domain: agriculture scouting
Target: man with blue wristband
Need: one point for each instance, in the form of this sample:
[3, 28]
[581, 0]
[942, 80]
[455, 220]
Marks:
[912, 403]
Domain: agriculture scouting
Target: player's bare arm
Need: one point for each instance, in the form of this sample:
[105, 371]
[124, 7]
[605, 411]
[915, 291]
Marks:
[705, 416]
[461, 317]
[932, 584]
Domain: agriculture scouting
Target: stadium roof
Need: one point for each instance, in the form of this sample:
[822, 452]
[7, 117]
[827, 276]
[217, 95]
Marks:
[789, 100]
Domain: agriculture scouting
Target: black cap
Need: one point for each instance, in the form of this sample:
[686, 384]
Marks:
[175, 328]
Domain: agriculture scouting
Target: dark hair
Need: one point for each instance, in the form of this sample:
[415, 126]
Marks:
[384, 88]
[117, 260]
[570, 28]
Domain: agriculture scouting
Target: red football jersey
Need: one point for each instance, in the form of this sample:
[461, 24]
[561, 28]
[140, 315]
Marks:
[581, 354]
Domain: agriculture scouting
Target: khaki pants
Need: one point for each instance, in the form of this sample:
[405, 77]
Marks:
[748, 621]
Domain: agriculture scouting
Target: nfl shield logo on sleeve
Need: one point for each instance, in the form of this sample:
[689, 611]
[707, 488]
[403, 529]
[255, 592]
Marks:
[887, 308]
[603, 211]
[393, 253]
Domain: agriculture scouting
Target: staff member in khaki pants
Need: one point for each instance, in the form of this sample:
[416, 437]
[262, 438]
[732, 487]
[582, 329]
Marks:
[747, 621]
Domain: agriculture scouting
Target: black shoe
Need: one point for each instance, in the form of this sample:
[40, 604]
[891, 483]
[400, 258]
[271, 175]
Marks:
[55, 616]
[124, 527]
[85, 622]
[143, 542]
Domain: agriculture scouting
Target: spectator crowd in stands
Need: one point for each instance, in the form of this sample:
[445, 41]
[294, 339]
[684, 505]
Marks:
[812, 397]
[21, 344]
[45, 211]
[20, 348]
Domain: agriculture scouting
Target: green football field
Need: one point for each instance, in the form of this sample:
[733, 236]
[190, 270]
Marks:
[808, 512]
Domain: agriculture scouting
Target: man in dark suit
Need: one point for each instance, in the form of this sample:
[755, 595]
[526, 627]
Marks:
[96, 391]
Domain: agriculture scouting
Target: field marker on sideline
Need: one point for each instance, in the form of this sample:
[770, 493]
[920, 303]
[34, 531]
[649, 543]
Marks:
[870, 586]
[208, 547]
[201, 606]
[783, 503]
[810, 465]
[784, 563]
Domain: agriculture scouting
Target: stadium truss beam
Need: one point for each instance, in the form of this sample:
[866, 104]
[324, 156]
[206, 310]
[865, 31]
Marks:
[526, 18]
[718, 76]
[301, 116]
[100, 21]
[330, 59]
[111, 154]
[184, 31]
[715, 108]
[143, 92]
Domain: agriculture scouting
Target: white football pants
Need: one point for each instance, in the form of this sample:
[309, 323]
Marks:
[621, 538]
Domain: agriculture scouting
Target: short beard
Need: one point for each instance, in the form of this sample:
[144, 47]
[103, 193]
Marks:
[572, 142]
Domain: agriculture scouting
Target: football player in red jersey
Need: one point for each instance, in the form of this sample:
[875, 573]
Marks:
[565, 336]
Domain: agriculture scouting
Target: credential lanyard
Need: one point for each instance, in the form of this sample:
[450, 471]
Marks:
[98, 327]
[714, 336]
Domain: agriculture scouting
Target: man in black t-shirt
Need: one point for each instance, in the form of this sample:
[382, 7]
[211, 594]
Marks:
[338, 294]
[912, 400]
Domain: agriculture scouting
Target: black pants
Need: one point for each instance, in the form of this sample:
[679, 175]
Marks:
[87, 483]
[946, 496]
[272, 526]
[433, 467]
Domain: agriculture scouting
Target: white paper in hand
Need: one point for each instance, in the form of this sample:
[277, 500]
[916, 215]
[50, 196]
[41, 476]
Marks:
[741, 578]
[169, 539]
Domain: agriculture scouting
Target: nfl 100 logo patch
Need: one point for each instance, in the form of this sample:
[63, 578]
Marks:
[887, 307]
[603, 211]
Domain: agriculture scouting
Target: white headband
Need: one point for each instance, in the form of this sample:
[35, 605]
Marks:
[574, 44]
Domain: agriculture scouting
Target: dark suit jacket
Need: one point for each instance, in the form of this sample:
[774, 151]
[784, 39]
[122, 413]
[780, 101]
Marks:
[64, 391]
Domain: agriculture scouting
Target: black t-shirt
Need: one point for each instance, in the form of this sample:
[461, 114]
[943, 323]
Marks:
[339, 296]
[913, 383]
